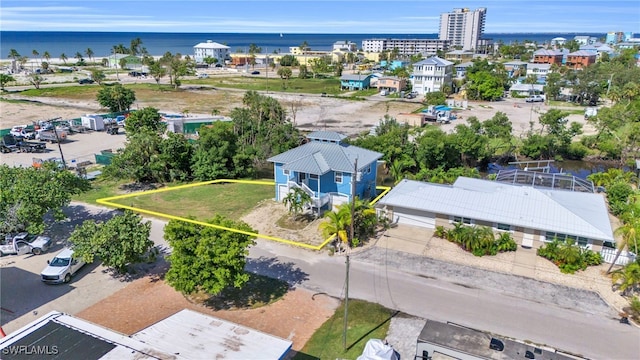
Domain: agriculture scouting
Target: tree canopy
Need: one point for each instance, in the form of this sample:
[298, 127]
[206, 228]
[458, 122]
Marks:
[205, 258]
[28, 194]
[119, 242]
[116, 97]
[145, 119]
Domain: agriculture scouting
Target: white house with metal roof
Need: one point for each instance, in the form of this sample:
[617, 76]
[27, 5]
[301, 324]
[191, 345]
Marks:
[533, 215]
[431, 75]
[324, 168]
[211, 49]
[186, 334]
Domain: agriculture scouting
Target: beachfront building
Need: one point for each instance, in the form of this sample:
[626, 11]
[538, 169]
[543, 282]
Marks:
[345, 46]
[210, 49]
[115, 61]
[463, 28]
[431, 75]
[425, 47]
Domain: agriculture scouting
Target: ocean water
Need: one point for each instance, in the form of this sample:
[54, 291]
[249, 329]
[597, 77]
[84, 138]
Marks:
[101, 43]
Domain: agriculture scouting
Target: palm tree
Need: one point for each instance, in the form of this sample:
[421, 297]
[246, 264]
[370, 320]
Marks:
[296, 200]
[630, 235]
[35, 53]
[135, 46]
[13, 54]
[89, 53]
[78, 56]
[627, 279]
[336, 225]
[64, 58]
[46, 56]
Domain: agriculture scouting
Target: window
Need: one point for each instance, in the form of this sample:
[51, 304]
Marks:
[503, 227]
[338, 177]
[286, 172]
[581, 241]
[313, 176]
[464, 220]
[369, 169]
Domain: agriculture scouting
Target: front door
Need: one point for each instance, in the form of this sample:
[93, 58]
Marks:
[527, 238]
[302, 179]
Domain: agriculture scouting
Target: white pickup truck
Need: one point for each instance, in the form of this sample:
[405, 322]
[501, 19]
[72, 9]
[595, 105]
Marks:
[24, 243]
[61, 268]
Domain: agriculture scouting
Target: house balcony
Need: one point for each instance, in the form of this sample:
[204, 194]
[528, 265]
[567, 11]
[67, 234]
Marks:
[318, 200]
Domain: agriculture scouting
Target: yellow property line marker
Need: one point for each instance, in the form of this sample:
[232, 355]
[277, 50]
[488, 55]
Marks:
[109, 202]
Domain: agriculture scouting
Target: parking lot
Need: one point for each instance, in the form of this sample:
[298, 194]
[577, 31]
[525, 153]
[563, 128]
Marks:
[24, 297]
[77, 148]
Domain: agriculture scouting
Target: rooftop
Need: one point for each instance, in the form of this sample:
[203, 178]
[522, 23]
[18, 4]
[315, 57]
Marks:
[561, 211]
[184, 335]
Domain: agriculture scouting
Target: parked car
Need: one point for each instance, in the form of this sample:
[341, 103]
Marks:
[85, 81]
[61, 268]
[23, 132]
[256, 72]
[24, 243]
[535, 98]
[202, 76]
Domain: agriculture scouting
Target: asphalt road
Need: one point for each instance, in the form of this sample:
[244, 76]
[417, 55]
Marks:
[592, 333]
[577, 322]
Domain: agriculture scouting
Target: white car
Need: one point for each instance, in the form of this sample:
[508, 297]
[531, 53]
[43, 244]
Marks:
[61, 268]
[535, 98]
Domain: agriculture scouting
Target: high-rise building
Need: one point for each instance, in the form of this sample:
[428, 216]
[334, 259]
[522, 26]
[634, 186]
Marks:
[463, 27]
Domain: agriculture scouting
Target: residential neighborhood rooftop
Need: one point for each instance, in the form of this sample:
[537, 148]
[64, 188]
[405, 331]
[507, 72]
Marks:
[185, 335]
[320, 157]
[561, 211]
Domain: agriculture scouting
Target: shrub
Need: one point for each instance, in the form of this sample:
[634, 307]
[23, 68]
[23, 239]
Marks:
[568, 256]
[478, 240]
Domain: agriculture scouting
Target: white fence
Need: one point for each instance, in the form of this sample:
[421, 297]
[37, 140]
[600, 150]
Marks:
[608, 254]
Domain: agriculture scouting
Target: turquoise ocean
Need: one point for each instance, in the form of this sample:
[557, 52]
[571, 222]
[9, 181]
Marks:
[102, 43]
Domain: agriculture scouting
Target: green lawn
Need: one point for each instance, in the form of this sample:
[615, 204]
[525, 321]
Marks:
[99, 189]
[203, 202]
[275, 83]
[365, 321]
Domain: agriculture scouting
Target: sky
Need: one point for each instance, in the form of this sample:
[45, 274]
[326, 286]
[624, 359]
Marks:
[315, 16]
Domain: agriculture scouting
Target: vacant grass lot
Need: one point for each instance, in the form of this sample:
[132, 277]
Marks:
[204, 202]
[365, 321]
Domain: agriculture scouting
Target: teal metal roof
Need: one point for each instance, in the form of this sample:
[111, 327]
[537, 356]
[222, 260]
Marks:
[318, 158]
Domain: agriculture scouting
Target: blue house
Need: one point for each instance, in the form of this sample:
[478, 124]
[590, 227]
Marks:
[355, 82]
[324, 168]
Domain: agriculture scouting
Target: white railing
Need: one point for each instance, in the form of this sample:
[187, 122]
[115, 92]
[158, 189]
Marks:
[608, 254]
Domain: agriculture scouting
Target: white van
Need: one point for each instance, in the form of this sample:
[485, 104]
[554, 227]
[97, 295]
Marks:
[61, 268]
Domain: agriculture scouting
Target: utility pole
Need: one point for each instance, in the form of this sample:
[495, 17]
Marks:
[346, 306]
[609, 86]
[354, 180]
[55, 131]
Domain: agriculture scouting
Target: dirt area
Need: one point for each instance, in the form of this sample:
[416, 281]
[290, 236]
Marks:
[149, 299]
[308, 112]
[266, 214]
